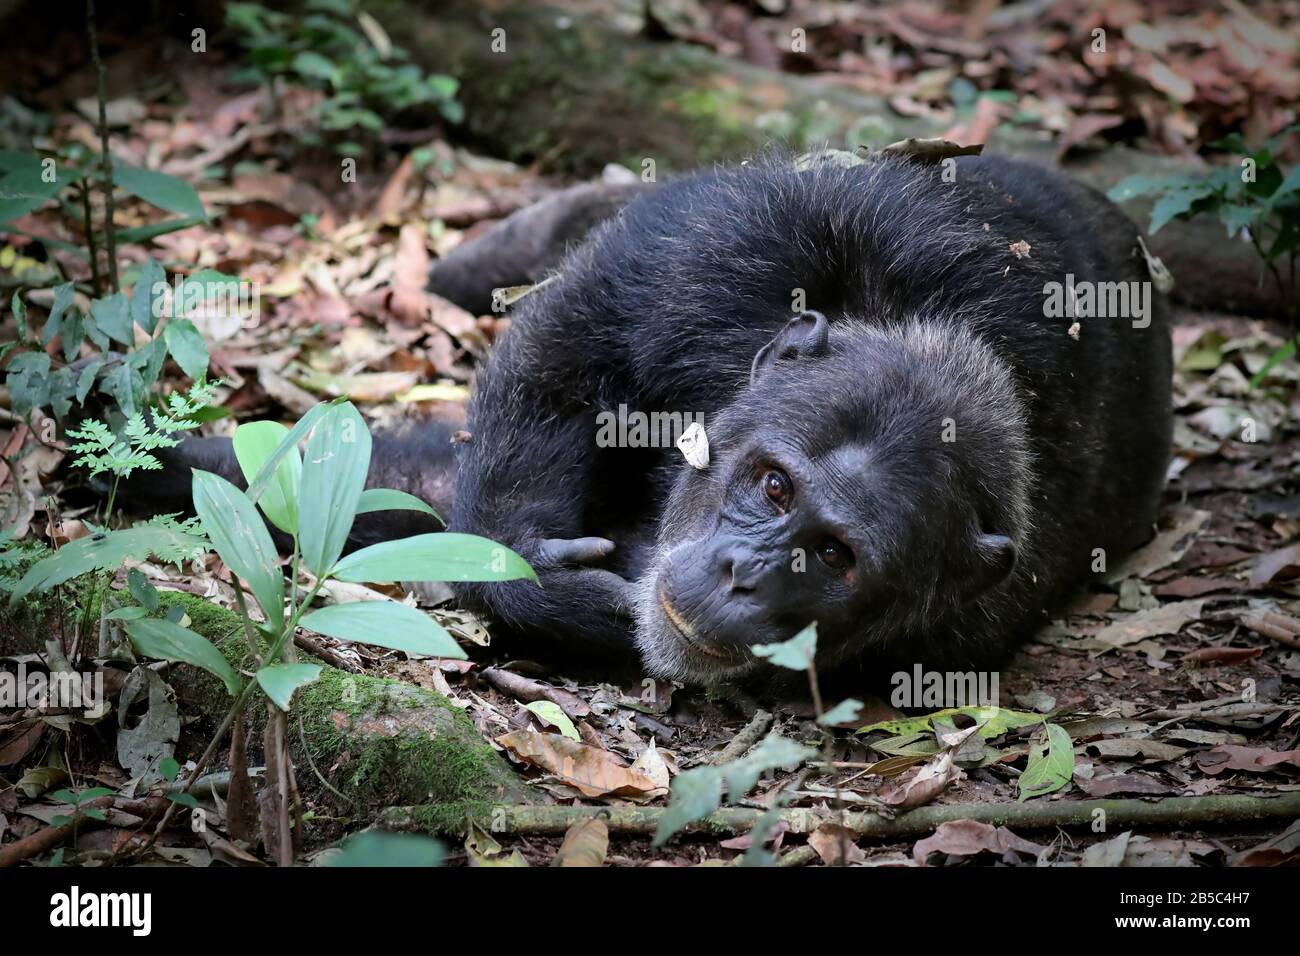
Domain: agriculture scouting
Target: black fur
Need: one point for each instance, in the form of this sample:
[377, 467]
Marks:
[1062, 443]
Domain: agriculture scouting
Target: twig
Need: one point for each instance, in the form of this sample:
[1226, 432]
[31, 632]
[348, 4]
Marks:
[1276, 627]
[748, 736]
[90, 235]
[529, 690]
[105, 161]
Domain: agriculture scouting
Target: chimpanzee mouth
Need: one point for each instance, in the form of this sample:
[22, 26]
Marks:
[687, 634]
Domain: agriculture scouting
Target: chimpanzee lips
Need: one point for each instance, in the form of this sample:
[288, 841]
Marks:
[686, 632]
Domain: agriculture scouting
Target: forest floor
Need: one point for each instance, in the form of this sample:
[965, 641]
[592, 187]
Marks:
[1177, 676]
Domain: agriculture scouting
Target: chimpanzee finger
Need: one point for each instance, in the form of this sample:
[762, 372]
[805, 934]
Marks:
[553, 552]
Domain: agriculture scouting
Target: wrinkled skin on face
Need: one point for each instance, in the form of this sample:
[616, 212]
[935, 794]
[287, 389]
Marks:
[847, 508]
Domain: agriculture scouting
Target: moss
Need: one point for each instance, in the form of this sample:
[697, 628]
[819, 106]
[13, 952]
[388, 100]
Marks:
[355, 726]
[449, 818]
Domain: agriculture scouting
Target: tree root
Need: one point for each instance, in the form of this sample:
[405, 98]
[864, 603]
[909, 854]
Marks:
[1185, 812]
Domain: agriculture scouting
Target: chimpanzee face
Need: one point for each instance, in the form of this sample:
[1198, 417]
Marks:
[812, 509]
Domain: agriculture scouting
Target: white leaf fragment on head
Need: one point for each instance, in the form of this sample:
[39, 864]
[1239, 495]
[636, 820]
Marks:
[694, 444]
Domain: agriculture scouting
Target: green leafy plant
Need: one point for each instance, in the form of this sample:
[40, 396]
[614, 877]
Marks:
[117, 364]
[698, 792]
[364, 76]
[1257, 199]
[100, 450]
[70, 177]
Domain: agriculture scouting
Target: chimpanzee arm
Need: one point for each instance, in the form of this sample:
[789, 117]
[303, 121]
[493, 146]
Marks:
[527, 479]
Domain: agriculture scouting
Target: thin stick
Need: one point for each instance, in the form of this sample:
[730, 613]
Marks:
[105, 161]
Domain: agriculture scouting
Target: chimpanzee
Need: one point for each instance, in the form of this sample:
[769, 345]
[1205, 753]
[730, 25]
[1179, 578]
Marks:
[910, 442]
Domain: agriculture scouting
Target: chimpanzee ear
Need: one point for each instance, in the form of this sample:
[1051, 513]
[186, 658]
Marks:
[803, 336]
[995, 556]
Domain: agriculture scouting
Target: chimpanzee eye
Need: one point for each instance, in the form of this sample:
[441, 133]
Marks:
[834, 554]
[777, 486]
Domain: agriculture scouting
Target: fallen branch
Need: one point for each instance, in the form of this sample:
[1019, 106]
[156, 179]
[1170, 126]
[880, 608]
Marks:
[1191, 812]
[1276, 627]
[53, 836]
[748, 736]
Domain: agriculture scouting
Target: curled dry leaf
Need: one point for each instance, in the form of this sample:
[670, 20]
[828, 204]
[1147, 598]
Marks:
[836, 845]
[1250, 759]
[970, 837]
[651, 763]
[594, 773]
[585, 844]
[923, 786]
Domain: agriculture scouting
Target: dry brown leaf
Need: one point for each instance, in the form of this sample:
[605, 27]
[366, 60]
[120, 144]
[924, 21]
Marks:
[969, 837]
[836, 845]
[923, 786]
[1166, 548]
[1129, 747]
[1166, 619]
[590, 771]
[409, 302]
[585, 844]
[1279, 565]
[1252, 759]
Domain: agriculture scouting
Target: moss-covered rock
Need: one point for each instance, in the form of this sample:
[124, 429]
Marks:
[376, 741]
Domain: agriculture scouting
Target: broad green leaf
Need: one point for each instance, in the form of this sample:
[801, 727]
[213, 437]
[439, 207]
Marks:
[257, 487]
[775, 752]
[796, 654]
[167, 641]
[994, 721]
[333, 477]
[87, 378]
[20, 313]
[1174, 204]
[254, 443]
[841, 713]
[281, 680]
[106, 550]
[141, 589]
[549, 712]
[25, 189]
[12, 161]
[1289, 185]
[144, 295]
[166, 192]
[389, 499]
[112, 316]
[169, 768]
[240, 537]
[384, 624]
[131, 612]
[313, 65]
[1236, 218]
[186, 345]
[141, 234]
[439, 556]
[1049, 768]
[79, 797]
[1142, 185]
[695, 794]
[376, 848]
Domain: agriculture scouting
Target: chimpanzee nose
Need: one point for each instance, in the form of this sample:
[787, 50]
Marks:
[740, 570]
